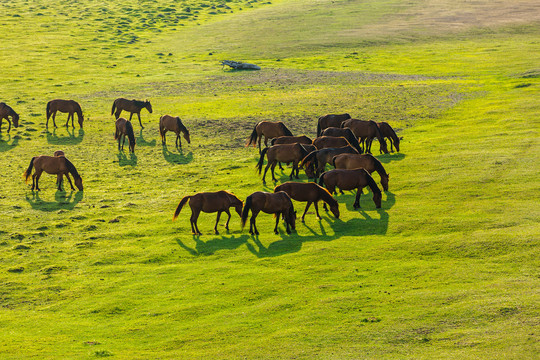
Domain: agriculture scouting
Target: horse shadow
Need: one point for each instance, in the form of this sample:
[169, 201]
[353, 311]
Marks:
[211, 246]
[140, 141]
[5, 145]
[387, 158]
[63, 201]
[70, 139]
[177, 158]
[123, 160]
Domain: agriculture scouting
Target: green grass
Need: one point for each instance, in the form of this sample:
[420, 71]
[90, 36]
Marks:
[447, 268]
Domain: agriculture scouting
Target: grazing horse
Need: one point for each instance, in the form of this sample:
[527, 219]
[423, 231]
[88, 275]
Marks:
[131, 106]
[366, 131]
[5, 112]
[209, 202]
[364, 161]
[65, 106]
[303, 139]
[269, 130]
[320, 158]
[346, 133]
[283, 153]
[271, 203]
[124, 128]
[349, 180]
[58, 165]
[388, 132]
[174, 124]
[330, 120]
[330, 142]
[310, 192]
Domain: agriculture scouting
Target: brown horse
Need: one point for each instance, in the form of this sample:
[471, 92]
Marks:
[287, 153]
[310, 192]
[388, 132]
[131, 106]
[349, 180]
[320, 158]
[65, 106]
[124, 128]
[364, 161]
[302, 139]
[5, 112]
[366, 131]
[58, 165]
[330, 120]
[346, 133]
[209, 202]
[271, 203]
[174, 124]
[330, 142]
[59, 153]
[269, 130]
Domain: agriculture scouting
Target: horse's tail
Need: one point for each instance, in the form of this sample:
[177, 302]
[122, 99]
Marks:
[312, 156]
[273, 141]
[319, 127]
[261, 160]
[245, 210]
[28, 171]
[129, 132]
[161, 127]
[116, 133]
[285, 130]
[48, 110]
[253, 137]
[113, 107]
[180, 206]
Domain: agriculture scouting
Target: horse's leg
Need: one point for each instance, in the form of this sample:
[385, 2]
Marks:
[260, 138]
[316, 204]
[70, 183]
[277, 223]
[59, 181]
[72, 117]
[265, 170]
[227, 223]
[305, 211]
[123, 142]
[33, 181]
[272, 170]
[292, 172]
[295, 166]
[67, 121]
[193, 219]
[177, 137]
[53, 119]
[130, 116]
[140, 123]
[37, 175]
[217, 220]
[117, 113]
[356, 204]
[252, 223]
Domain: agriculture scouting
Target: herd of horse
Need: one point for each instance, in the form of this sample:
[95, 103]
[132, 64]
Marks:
[343, 142]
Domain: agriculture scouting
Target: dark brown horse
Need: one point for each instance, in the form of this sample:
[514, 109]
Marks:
[286, 153]
[57, 165]
[362, 161]
[330, 120]
[302, 139]
[123, 129]
[269, 130]
[366, 131]
[330, 142]
[320, 158]
[5, 112]
[346, 133]
[174, 124]
[209, 202]
[279, 204]
[310, 192]
[131, 106]
[388, 132]
[64, 106]
[349, 180]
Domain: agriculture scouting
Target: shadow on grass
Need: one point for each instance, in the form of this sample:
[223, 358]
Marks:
[4, 142]
[63, 201]
[211, 246]
[70, 139]
[123, 160]
[387, 158]
[141, 142]
[177, 158]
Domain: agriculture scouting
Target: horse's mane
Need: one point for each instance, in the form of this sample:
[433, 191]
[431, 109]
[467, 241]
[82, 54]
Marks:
[139, 103]
[326, 196]
[181, 126]
[378, 165]
[71, 169]
[393, 134]
[286, 131]
[372, 184]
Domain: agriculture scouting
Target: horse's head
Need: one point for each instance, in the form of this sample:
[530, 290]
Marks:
[186, 136]
[377, 199]
[384, 147]
[132, 145]
[291, 218]
[15, 118]
[335, 210]
[80, 119]
[148, 106]
[309, 168]
[78, 182]
[384, 181]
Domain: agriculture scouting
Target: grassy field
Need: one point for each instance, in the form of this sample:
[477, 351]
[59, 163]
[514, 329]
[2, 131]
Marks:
[447, 268]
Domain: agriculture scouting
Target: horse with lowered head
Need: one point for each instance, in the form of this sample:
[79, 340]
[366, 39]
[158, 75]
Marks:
[320, 158]
[366, 131]
[364, 161]
[209, 202]
[330, 120]
[131, 106]
[269, 130]
[124, 128]
[349, 180]
[57, 165]
[5, 112]
[278, 203]
[174, 124]
[286, 153]
[388, 132]
[64, 106]
[310, 192]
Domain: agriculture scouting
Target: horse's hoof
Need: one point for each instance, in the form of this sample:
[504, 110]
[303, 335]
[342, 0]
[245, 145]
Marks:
[276, 232]
[217, 232]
